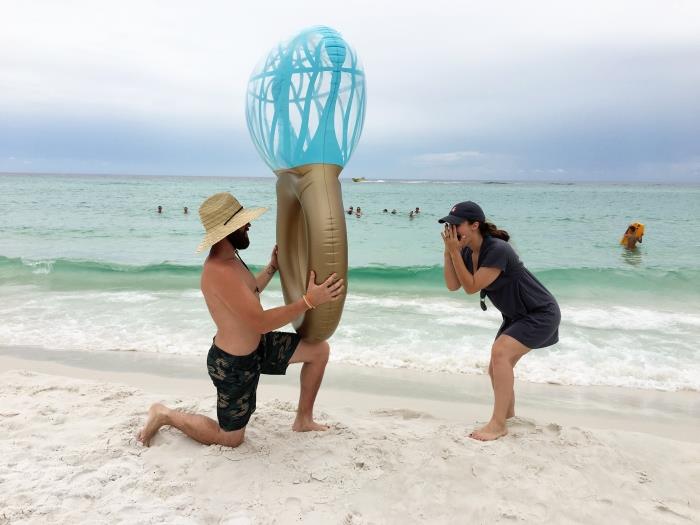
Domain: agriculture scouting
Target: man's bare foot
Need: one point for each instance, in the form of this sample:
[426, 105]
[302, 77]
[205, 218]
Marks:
[303, 425]
[157, 415]
[489, 432]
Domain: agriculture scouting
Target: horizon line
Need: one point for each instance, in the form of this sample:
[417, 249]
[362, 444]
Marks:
[387, 179]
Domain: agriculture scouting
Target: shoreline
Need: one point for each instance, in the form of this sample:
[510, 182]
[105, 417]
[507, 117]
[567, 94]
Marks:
[455, 397]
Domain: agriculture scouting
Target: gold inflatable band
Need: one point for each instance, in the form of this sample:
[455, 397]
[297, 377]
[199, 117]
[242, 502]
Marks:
[311, 235]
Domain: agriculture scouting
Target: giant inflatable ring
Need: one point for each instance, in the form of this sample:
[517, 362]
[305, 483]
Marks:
[305, 110]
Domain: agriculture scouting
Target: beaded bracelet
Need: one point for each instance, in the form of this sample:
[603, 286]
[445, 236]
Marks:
[308, 303]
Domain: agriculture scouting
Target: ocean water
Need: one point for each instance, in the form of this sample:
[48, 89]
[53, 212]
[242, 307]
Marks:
[87, 264]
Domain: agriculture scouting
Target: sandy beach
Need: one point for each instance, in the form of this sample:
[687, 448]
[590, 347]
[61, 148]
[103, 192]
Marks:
[397, 450]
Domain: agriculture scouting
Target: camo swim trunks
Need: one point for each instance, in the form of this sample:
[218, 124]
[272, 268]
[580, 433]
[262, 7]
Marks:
[236, 376]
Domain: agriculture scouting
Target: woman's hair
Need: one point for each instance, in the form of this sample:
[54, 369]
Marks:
[487, 228]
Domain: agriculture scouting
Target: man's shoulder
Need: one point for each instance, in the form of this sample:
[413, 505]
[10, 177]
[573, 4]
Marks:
[215, 269]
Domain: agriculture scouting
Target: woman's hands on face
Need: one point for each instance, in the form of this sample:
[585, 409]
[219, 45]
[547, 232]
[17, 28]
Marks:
[451, 238]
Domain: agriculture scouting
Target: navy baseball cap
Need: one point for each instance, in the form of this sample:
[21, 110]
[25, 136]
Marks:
[464, 211]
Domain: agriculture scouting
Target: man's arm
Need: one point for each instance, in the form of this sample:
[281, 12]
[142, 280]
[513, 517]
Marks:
[242, 301]
[265, 276]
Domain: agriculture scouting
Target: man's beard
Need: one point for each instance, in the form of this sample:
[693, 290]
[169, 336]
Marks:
[239, 239]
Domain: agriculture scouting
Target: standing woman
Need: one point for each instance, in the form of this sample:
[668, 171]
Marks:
[478, 257]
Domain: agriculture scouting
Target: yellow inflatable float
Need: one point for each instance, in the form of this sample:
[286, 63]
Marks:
[638, 232]
[305, 109]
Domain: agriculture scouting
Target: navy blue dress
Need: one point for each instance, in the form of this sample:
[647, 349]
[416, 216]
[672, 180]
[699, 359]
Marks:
[530, 313]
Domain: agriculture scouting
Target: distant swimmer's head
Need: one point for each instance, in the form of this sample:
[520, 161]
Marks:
[223, 217]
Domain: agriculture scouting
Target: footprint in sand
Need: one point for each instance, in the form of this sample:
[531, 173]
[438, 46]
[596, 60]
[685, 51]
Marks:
[353, 518]
[553, 429]
[292, 511]
[403, 413]
[70, 389]
[116, 396]
[518, 426]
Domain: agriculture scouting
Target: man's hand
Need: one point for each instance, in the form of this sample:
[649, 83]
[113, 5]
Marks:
[449, 236]
[329, 290]
[273, 259]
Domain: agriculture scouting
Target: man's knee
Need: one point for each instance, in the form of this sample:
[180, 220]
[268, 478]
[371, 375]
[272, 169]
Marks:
[231, 439]
[323, 352]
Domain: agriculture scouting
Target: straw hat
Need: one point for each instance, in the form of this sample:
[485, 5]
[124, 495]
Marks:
[222, 214]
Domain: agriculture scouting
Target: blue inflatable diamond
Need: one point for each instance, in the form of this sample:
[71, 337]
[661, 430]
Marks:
[306, 101]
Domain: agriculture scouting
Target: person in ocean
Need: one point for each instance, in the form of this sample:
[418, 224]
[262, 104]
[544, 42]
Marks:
[630, 237]
[478, 258]
[246, 344]
[350, 210]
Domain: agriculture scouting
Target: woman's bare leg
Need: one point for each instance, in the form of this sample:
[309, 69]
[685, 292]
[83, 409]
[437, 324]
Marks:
[505, 353]
[511, 408]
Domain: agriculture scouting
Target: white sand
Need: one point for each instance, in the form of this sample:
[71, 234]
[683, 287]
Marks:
[69, 455]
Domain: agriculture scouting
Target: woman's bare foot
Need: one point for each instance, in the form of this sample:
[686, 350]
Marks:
[491, 431]
[307, 425]
[157, 416]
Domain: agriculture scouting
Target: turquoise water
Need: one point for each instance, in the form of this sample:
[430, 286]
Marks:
[86, 263]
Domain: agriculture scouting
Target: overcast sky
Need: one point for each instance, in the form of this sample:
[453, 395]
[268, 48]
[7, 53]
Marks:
[533, 90]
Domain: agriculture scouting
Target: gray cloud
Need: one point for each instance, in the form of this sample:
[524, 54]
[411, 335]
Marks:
[608, 91]
[446, 159]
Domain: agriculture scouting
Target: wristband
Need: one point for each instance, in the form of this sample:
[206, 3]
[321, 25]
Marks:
[308, 303]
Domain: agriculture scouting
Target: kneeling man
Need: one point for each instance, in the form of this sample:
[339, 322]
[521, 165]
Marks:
[246, 344]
